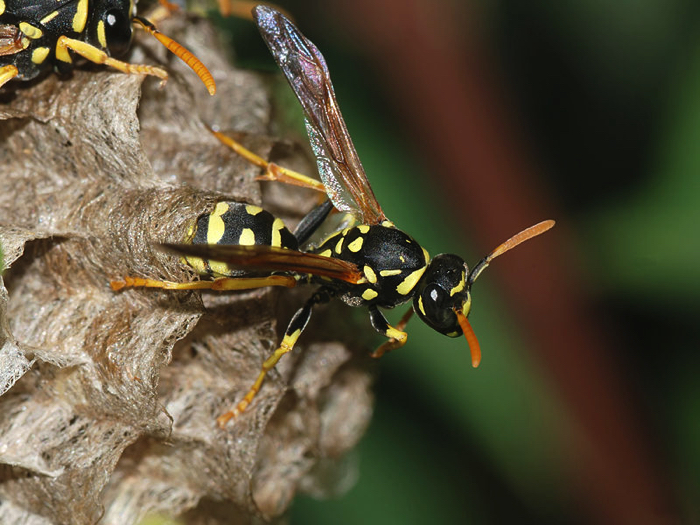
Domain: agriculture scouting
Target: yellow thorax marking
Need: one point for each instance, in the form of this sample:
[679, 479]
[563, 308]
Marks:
[40, 54]
[356, 245]
[48, 17]
[30, 31]
[369, 294]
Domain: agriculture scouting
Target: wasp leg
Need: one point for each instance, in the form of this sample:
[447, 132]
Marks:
[397, 337]
[221, 284]
[7, 73]
[182, 53]
[272, 170]
[291, 335]
[98, 56]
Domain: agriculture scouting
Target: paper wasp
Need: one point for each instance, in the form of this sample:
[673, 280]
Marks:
[38, 35]
[370, 264]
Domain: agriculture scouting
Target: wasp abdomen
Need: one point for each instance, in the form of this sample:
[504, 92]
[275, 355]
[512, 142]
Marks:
[236, 223]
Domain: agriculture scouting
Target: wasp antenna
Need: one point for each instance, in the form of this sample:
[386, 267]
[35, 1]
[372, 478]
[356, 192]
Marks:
[518, 238]
[469, 334]
[182, 53]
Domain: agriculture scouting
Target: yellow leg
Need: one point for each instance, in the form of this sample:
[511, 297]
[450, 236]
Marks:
[397, 337]
[272, 170]
[98, 56]
[7, 73]
[221, 284]
[291, 335]
[286, 346]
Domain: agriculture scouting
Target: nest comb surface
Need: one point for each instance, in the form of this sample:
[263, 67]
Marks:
[108, 400]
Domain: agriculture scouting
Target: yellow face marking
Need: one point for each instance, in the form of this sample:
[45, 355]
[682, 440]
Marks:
[410, 282]
[277, 226]
[369, 273]
[40, 54]
[339, 245]
[30, 31]
[389, 273]
[420, 304]
[466, 308]
[356, 245]
[48, 17]
[216, 224]
[247, 237]
[101, 35]
[459, 287]
[363, 228]
[80, 18]
[326, 253]
[369, 294]
[253, 210]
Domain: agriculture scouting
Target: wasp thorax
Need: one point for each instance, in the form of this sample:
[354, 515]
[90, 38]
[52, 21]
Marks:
[391, 261]
[443, 289]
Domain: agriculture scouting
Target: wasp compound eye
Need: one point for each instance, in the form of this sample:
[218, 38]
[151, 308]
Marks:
[434, 308]
[118, 31]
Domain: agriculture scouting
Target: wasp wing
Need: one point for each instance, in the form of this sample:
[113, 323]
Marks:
[264, 258]
[306, 71]
[10, 40]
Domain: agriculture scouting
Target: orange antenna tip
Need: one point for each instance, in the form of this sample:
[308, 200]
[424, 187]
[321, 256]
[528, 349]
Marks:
[515, 240]
[519, 238]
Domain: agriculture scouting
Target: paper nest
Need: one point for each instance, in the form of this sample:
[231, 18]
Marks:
[108, 400]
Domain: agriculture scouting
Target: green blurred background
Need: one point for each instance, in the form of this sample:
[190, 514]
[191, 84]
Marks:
[473, 121]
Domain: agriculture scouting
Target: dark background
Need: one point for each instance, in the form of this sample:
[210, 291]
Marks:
[473, 121]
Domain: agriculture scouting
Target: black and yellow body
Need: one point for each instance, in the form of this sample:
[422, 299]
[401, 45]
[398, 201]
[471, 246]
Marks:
[234, 223]
[105, 25]
[37, 36]
[371, 264]
[391, 263]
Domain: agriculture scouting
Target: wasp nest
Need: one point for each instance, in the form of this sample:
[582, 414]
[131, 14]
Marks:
[108, 400]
